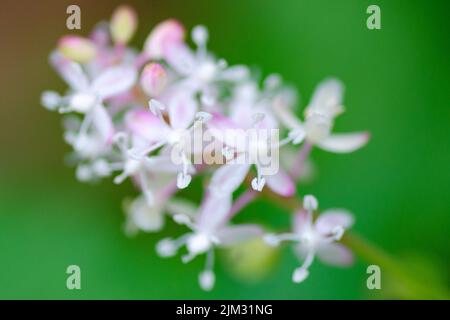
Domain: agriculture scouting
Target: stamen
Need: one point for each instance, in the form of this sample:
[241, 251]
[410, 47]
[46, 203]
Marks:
[274, 240]
[258, 182]
[301, 273]
[207, 277]
[184, 219]
[168, 247]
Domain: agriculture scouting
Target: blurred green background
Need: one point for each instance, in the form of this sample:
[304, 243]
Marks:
[397, 87]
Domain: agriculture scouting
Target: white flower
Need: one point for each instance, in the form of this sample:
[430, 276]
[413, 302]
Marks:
[209, 229]
[86, 96]
[175, 134]
[317, 238]
[325, 105]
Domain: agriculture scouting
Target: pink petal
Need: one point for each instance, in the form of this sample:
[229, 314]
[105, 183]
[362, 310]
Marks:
[330, 219]
[146, 125]
[153, 79]
[236, 234]
[344, 142]
[165, 35]
[227, 131]
[114, 81]
[228, 178]
[182, 109]
[281, 183]
[335, 254]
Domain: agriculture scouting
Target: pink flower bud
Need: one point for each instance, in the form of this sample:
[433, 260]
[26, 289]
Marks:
[77, 48]
[123, 24]
[165, 35]
[153, 79]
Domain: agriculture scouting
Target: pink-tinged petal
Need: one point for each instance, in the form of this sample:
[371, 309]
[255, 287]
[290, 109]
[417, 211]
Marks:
[281, 183]
[220, 122]
[182, 109]
[146, 125]
[301, 222]
[228, 178]
[344, 142]
[70, 71]
[327, 98]
[77, 48]
[153, 79]
[114, 81]
[237, 234]
[123, 24]
[181, 58]
[332, 218]
[103, 123]
[335, 254]
[227, 132]
[214, 212]
[165, 35]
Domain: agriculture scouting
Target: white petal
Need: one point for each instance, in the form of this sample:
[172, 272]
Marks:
[281, 183]
[344, 142]
[228, 178]
[335, 254]
[182, 110]
[213, 212]
[181, 59]
[330, 219]
[70, 71]
[103, 123]
[114, 81]
[146, 218]
[327, 98]
[240, 233]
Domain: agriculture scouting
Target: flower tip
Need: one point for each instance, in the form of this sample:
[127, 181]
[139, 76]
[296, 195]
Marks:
[310, 203]
[155, 106]
[123, 24]
[77, 48]
[206, 280]
[166, 248]
[183, 180]
[153, 79]
[200, 35]
[299, 275]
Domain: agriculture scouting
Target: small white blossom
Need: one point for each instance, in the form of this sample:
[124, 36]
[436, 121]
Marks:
[316, 238]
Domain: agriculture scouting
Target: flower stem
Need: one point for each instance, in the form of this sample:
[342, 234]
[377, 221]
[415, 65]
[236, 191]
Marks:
[242, 201]
[299, 163]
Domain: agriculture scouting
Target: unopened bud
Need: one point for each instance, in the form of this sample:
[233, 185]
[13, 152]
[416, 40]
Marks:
[153, 79]
[77, 48]
[123, 24]
[162, 37]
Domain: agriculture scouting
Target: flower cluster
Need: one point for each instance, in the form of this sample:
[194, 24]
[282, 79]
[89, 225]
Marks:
[128, 113]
